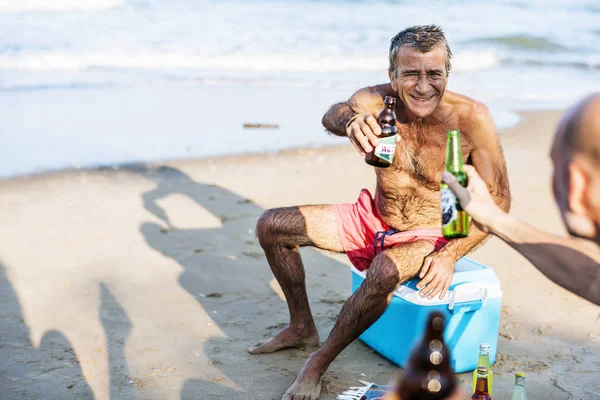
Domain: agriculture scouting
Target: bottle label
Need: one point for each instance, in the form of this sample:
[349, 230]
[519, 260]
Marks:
[448, 205]
[386, 148]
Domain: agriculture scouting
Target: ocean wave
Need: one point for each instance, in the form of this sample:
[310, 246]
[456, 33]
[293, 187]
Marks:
[468, 61]
[298, 67]
[577, 65]
[154, 60]
[523, 42]
[57, 5]
[76, 61]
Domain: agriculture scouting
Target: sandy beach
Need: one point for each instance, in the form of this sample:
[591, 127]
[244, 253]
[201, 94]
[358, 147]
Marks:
[147, 282]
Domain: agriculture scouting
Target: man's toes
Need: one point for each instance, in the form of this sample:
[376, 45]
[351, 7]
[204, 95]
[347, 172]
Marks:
[261, 348]
[299, 396]
[287, 396]
[254, 349]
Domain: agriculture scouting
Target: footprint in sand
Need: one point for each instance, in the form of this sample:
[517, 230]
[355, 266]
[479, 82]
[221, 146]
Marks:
[509, 364]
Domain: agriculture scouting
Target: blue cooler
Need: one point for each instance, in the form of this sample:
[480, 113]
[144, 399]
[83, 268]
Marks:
[471, 307]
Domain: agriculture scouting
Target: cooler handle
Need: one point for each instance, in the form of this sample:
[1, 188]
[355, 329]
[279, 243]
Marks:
[468, 296]
[466, 306]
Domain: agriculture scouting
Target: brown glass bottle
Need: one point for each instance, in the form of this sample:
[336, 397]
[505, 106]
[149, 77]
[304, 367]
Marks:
[382, 155]
[481, 389]
[429, 376]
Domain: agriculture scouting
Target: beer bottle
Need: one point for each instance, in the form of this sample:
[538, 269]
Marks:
[481, 390]
[484, 361]
[519, 390]
[455, 220]
[383, 154]
[429, 375]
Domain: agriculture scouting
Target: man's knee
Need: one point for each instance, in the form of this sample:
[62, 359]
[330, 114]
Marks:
[273, 225]
[383, 274]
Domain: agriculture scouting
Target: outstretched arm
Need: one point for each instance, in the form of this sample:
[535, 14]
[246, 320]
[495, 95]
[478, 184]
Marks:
[567, 262]
[356, 118]
[487, 157]
[338, 115]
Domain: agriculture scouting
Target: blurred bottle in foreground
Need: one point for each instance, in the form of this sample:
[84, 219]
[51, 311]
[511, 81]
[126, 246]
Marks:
[519, 389]
[484, 361]
[481, 390]
[429, 376]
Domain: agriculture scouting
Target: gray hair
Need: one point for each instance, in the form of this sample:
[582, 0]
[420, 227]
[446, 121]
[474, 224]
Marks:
[420, 37]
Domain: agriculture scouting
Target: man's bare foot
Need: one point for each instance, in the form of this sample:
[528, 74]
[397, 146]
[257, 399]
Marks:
[306, 387]
[288, 337]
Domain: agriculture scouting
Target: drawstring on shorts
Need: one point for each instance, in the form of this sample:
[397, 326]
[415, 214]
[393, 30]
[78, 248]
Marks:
[383, 236]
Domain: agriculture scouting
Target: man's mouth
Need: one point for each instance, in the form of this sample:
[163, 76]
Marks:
[422, 99]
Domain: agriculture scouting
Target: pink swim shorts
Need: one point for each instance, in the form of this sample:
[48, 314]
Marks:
[364, 234]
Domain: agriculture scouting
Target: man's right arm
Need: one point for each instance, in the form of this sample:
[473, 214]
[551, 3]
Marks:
[354, 118]
[337, 117]
[567, 262]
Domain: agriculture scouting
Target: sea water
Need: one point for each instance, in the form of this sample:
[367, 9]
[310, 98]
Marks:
[98, 82]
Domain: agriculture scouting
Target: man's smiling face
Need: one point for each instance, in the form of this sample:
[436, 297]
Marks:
[420, 80]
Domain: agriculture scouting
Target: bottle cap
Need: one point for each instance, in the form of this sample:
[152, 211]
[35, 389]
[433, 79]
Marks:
[484, 347]
[389, 99]
[520, 375]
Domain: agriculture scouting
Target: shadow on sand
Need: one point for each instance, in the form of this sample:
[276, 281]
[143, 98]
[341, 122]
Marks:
[231, 254]
[49, 371]
[53, 371]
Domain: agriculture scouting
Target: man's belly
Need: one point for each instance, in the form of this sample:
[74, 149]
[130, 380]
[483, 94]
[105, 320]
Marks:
[409, 209]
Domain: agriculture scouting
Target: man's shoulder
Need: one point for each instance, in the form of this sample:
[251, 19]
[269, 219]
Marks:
[465, 106]
[472, 115]
[474, 118]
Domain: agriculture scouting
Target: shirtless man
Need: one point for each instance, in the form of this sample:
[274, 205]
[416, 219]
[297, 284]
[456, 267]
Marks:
[405, 210]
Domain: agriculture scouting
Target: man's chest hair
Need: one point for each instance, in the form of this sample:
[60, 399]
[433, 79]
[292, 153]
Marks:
[422, 155]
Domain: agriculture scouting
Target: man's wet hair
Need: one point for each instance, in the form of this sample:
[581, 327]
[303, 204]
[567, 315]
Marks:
[420, 37]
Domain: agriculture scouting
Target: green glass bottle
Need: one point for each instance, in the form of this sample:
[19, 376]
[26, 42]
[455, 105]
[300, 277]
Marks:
[455, 220]
[484, 361]
[519, 389]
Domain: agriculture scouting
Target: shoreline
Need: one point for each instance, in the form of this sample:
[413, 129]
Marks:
[242, 157]
[208, 160]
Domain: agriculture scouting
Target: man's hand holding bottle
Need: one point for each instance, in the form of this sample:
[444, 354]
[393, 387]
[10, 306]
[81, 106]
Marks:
[475, 199]
[363, 131]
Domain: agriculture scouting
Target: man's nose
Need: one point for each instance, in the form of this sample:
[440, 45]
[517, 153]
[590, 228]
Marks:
[422, 86]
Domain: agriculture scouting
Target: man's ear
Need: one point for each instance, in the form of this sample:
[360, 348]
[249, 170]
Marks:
[579, 201]
[578, 188]
[393, 80]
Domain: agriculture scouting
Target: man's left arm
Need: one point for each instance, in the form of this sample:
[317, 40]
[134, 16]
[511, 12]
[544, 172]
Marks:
[487, 157]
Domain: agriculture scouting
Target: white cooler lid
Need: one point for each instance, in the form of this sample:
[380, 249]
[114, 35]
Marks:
[471, 282]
